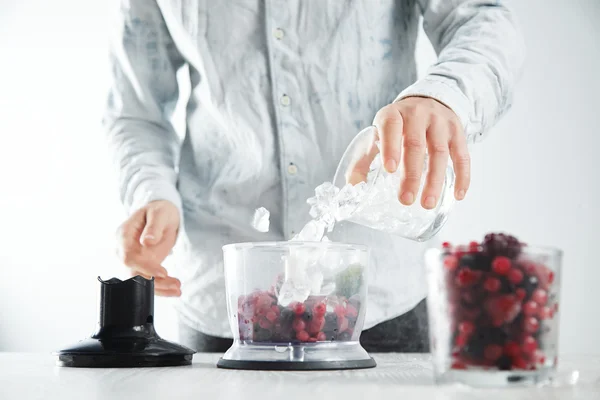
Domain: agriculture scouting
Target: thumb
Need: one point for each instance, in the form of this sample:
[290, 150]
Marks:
[156, 223]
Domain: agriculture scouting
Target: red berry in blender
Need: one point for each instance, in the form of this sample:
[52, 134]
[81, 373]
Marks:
[466, 277]
[265, 323]
[321, 337]
[504, 308]
[530, 308]
[512, 349]
[529, 345]
[466, 328]
[320, 309]
[492, 284]
[351, 311]
[539, 357]
[461, 341]
[342, 324]
[520, 363]
[302, 336]
[540, 296]
[450, 263]
[316, 325]
[501, 265]
[446, 245]
[271, 316]
[515, 275]
[299, 308]
[458, 365]
[521, 293]
[339, 310]
[492, 352]
[531, 325]
[298, 325]
[264, 301]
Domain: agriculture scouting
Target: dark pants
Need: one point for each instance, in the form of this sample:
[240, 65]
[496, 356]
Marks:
[408, 333]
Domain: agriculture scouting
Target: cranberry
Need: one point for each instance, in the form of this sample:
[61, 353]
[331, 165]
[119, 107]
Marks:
[521, 293]
[320, 309]
[312, 339]
[473, 247]
[466, 328]
[265, 323]
[461, 341]
[264, 301]
[539, 357]
[466, 277]
[512, 349]
[504, 308]
[316, 325]
[450, 263]
[499, 244]
[492, 284]
[351, 311]
[302, 336]
[531, 325]
[321, 337]
[299, 308]
[501, 265]
[529, 345]
[298, 325]
[271, 316]
[540, 296]
[339, 310]
[276, 310]
[519, 363]
[458, 365]
[446, 245]
[530, 308]
[545, 313]
[342, 324]
[492, 352]
[515, 275]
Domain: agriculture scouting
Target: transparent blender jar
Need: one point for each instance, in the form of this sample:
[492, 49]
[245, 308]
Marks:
[296, 305]
[370, 195]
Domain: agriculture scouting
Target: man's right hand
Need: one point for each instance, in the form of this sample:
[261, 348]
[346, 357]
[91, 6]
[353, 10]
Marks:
[146, 239]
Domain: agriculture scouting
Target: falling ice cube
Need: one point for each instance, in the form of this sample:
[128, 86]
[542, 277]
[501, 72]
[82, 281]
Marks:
[260, 221]
[312, 232]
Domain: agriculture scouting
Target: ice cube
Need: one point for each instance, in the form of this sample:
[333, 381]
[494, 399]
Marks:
[327, 289]
[312, 232]
[348, 199]
[326, 192]
[292, 292]
[260, 221]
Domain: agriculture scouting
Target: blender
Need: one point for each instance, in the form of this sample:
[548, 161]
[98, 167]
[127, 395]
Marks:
[296, 305]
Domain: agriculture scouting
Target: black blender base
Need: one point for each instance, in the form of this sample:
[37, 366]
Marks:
[296, 365]
[122, 361]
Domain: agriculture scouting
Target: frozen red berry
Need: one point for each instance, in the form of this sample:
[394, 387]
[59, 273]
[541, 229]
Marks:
[503, 308]
[512, 349]
[299, 308]
[501, 265]
[466, 277]
[521, 293]
[531, 324]
[265, 323]
[450, 263]
[351, 311]
[339, 310]
[271, 316]
[321, 337]
[342, 324]
[298, 325]
[545, 312]
[320, 309]
[530, 308]
[473, 246]
[460, 341]
[529, 345]
[540, 296]
[446, 245]
[458, 365]
[492, 284]
[492, 352]
[302, 336]
[264, 301]
[520, 363]
[316, 325]
[466, 328]
[515, 275]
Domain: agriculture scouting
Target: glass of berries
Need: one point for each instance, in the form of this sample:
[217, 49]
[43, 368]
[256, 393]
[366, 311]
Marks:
[493, 311]
[311, 313]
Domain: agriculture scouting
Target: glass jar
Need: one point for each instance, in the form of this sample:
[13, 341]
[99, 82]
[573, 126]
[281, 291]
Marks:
[493, 312]
[295, 305]
[373, 193]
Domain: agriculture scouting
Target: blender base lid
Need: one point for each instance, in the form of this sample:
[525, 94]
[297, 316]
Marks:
[296, 365]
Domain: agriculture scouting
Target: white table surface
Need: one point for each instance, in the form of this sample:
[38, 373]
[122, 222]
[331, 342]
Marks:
[397, 376]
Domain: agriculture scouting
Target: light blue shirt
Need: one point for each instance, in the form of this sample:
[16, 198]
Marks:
[278, 90]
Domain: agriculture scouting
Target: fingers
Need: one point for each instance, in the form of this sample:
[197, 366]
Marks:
[359, 171]
[156, 223]
[142, 261]
[413, 154]
[390, 123]
[169, 286]
[437, 148]
[461, 160]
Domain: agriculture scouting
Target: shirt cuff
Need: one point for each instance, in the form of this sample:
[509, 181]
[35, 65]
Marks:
[446, 92]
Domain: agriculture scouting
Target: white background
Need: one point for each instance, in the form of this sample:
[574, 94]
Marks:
[536, 176]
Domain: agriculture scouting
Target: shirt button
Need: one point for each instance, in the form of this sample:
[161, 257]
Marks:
[278, 33]
[292, 169]
[285, 100]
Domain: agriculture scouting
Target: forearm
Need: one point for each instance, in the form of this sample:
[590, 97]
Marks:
[480, 57]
